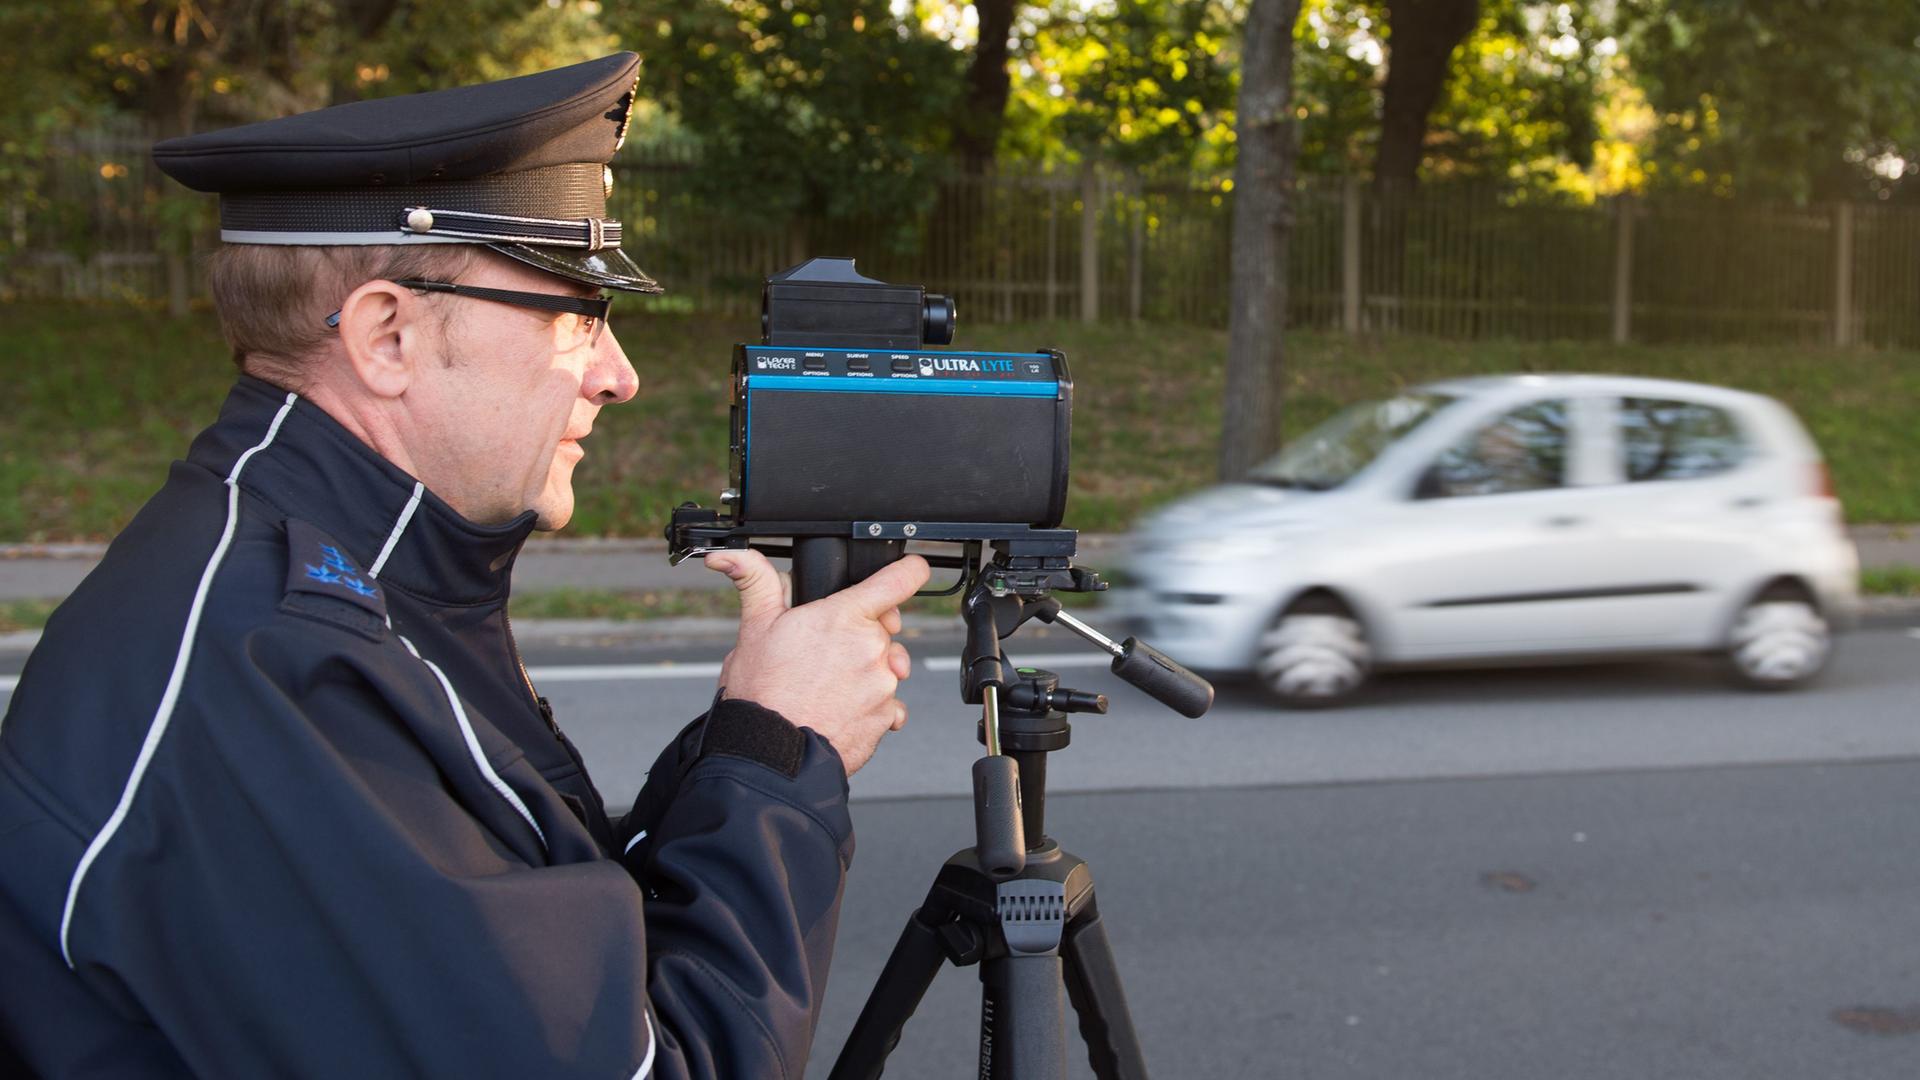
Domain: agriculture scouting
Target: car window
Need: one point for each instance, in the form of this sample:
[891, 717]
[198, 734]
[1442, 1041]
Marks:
[1677, 440]
[1334, 452]
[1525, 450]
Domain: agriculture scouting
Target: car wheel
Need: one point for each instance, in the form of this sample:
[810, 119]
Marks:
[1314, 654]
[1779, 640]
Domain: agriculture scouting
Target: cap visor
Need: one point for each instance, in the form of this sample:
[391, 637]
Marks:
[606, 269]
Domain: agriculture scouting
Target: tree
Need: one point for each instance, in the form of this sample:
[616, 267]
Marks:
[806, 109]
[1515, 104]
[177, 66]
[1262, 220]
[1147, 84]
[1421, 38]
[983, 108]
[1793, 99]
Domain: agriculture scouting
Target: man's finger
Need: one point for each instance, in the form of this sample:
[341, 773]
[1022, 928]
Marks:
[762, 598]
[899, 661]
[888, 588]
[890, 622]
[899, 715]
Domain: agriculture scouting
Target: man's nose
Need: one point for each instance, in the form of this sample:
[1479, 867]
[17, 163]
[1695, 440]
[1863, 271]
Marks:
[611, 378]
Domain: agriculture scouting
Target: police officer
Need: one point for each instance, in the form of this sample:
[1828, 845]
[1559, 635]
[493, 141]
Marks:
[277, 797]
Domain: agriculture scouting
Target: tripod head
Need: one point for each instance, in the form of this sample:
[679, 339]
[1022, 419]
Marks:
[1009, 592]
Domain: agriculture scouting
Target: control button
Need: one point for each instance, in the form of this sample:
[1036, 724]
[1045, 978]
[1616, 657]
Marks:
[859, 363]
[904, 365]
[816, 363]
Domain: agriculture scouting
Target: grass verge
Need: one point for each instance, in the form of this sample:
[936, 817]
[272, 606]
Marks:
[102, 398]
[1890, 581]
[719, 603]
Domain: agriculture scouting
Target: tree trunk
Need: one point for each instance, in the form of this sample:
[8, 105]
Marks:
[976, 130]
[1262, 220]
[1421, 37]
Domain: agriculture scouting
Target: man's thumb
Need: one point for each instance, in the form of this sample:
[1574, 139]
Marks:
[889, 587]
[762, 596]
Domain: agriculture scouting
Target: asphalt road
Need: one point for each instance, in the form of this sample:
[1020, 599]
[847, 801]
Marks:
[1737, 922]
[1620, 870]
[1658, 715]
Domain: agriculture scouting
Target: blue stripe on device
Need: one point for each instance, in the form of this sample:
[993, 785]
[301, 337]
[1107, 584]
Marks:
[849, 385]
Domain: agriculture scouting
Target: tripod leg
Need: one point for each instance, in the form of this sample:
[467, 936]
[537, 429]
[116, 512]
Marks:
[910, 969]
[1093, 985]
[1023, 1021]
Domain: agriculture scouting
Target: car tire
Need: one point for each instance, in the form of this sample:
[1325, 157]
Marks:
[1314, 654]
[1779, 640]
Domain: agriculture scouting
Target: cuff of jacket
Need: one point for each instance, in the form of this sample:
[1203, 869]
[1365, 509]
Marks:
[742, 738]
[747, 730]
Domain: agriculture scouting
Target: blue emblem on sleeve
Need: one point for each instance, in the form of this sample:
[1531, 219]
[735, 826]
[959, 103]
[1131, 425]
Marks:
[317, 564]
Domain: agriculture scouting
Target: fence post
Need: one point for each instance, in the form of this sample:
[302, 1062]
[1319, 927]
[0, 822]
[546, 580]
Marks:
[1089, 244]
[1136, 248]
[1350, 256]
[1053, 250]
[1623, 211]
[1843, 274]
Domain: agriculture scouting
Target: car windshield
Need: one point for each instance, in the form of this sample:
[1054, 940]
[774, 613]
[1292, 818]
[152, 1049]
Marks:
[1332, 453]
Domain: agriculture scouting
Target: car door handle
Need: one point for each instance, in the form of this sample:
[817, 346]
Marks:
[1748, 502]
[1564, 521]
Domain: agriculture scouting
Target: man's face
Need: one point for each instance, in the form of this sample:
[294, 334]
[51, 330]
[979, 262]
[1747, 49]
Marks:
[506, 401]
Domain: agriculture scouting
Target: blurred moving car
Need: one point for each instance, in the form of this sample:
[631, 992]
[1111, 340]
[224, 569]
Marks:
[1494, 519]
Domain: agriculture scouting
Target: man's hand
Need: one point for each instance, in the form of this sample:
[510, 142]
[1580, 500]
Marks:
[831, 665]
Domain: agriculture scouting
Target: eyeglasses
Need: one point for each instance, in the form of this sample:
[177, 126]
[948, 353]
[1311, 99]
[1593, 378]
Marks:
[590, 312]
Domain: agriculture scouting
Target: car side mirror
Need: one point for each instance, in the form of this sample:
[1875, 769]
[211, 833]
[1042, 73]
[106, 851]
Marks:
[1430, 485]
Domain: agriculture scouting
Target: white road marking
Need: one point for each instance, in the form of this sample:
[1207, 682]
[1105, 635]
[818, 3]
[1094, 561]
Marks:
[1914, 632]
[8, 682]
[705, 669]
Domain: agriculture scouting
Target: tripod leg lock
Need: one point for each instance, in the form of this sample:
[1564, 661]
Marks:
[1033, 914]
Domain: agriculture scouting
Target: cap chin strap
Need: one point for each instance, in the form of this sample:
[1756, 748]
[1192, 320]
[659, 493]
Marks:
[590, 233]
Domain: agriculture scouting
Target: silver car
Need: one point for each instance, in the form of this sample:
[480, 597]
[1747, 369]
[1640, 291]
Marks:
[1497, 519]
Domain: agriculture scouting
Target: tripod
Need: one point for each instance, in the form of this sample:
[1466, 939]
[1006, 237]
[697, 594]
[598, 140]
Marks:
[1016, 903]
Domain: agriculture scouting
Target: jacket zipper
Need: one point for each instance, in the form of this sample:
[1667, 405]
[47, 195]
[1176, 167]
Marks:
[539, 703]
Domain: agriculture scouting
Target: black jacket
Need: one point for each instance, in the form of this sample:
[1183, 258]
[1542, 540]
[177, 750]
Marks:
[277, 798]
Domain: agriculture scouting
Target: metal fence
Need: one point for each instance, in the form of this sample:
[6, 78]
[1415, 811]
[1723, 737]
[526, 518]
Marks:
[1096, 245]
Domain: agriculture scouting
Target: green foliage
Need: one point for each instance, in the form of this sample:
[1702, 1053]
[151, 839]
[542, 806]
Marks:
[1518, 108]
[834, 109]
[182, 64]
[1795, 99]
[1338, 68]
[1143, 83]
[155, 68]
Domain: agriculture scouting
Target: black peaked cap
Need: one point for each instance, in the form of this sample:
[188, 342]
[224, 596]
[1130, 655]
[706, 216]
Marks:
[518, 165]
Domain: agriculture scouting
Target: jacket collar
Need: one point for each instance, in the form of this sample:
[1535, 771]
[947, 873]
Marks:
[317, 471]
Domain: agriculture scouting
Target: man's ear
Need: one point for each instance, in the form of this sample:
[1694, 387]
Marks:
[382, 330]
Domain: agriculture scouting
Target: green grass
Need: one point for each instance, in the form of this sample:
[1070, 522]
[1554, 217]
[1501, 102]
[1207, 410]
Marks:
[100, 399]
[1891, 581]
[25, 614]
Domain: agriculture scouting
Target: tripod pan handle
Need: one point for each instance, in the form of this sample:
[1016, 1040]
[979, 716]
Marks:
[998, 836]
[1165, 680]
